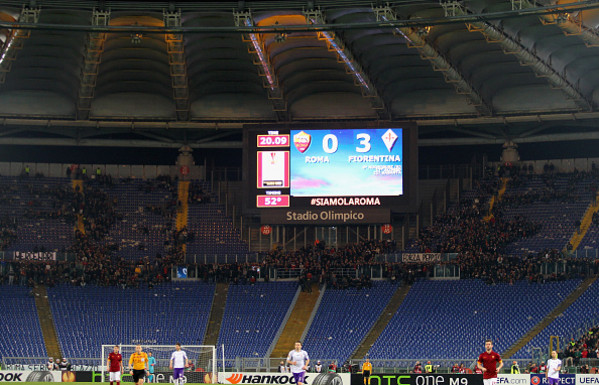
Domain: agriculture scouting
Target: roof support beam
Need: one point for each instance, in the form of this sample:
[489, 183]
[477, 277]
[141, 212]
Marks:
[416, 38]
[526, 57]
[472, 132]
[15, 41]
[114, 126]
[175, 48]
[215, 137]
[361, 78]
[262, 61]
[91, 64]
[147, 143]
[570, 25]
[539, 128]
[115, 143]
[573, 136]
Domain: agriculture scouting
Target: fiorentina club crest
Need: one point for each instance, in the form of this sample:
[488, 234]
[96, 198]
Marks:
[389, 138]
[302, 141]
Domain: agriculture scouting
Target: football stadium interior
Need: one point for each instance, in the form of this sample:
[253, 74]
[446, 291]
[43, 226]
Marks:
[393, 180]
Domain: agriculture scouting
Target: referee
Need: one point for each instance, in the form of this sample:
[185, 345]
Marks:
[366, 371]
[139, 360]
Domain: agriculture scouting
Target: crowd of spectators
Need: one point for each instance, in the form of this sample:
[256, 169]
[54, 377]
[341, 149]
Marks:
[460, 368]
[494, 269]
[474, 235]
[95, 264]
[167, 185]
[55, 202]
[586, 347]
[93, 260]
[8, 233]
[236, 273]
[595, 219]
[99, 263]
[75, 171]
[479, 236]
[469, 227]
[98, 211]
[319, 257]
[197, 194]
[29, 201]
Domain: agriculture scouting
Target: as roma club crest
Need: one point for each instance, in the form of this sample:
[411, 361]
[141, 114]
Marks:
[302, 141]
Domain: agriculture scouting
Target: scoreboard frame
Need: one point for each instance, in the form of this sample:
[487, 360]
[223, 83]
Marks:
[261, 137]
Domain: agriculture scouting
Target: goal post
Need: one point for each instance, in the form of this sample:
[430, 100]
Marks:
[202, 358]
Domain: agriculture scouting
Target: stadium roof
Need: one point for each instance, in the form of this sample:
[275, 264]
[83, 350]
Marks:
[159, 74]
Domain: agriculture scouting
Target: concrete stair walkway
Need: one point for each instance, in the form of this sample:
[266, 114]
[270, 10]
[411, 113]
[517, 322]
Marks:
[585, 224]
[559, 309]
[46, 321]
[381, 323]
[300, 315]
[183, 207]
[217, 312]
[77, 185]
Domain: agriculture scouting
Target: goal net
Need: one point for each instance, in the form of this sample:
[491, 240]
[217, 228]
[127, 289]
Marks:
[202, 359]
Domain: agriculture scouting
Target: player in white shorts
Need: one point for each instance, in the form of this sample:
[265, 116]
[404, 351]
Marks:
[115, 366]
[490, 363]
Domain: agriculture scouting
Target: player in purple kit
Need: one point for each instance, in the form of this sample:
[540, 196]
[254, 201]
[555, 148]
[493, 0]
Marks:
[179, 362]
[554, 365]
[299, 361]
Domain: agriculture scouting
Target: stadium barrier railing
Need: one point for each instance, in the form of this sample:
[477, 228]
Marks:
[39, 363]
[585, 253]
[36, 256]
[224, 258]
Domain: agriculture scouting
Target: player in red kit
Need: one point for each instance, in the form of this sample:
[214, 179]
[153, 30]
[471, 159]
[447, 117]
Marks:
[490, 363]
[115, 366]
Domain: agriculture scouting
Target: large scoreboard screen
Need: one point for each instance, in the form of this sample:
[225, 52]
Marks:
[366, 162]
[330, 167]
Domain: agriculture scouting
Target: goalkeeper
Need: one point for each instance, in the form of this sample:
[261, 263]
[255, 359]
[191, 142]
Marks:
[151, 364]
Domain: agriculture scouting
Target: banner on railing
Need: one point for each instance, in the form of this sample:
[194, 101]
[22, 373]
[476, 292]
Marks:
[181, 272]
[564, 379]
[419, 379]
[420, 257]
[587, 379]
[513, 379]
[471, 379]
[34, 376]
[35, 256]
[244, 378]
